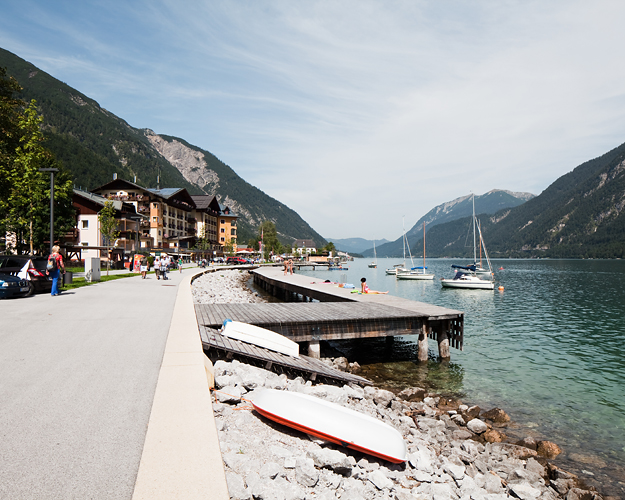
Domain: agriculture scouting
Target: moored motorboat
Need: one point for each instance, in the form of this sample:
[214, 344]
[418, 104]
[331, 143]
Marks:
[465, 278]
[331, 422]
[260, 337]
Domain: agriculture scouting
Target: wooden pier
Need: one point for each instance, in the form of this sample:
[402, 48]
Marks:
[218, 346]
[342, 314]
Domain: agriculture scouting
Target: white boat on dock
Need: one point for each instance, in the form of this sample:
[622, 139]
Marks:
[331, 422]
[260, 337]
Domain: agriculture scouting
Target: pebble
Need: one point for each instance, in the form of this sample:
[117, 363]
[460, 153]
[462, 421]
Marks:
[264, 460]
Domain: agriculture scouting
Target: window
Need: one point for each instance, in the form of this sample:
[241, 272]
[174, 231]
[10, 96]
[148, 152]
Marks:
[154, 205]
[154, 219]
[223, 230]
[85, 224]
[222, 239]
[223, 221]
[233, 232]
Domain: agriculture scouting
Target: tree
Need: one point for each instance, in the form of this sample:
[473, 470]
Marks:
[330, 248]
[108, 228]
[269, 236]
[24, 190]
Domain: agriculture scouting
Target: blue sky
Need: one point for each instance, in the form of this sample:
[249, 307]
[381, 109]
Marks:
[353, 113]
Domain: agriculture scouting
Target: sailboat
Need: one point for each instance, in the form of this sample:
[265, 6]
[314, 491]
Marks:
[397, 268]
[473, 276]
[419, 272]
[374, 264]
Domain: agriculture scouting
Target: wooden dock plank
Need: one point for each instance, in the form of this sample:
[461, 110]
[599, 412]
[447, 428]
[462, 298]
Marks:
[213, 340]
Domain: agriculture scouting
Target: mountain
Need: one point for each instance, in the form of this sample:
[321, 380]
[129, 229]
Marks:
[580, 215]
[488, 203]
[355, 245]
[93, 144]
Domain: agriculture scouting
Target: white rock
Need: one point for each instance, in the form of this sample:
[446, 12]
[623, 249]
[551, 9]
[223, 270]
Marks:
[379, 480]
[477, 426]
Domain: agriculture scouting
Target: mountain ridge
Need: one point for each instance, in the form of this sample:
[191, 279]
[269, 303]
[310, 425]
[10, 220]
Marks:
[94, 145]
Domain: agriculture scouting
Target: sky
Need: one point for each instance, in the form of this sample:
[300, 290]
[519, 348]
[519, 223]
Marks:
[359, 115]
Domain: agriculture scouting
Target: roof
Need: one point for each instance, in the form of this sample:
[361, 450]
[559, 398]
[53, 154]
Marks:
[205, 202]
[225, 210]
[118, 205]
[305, 243]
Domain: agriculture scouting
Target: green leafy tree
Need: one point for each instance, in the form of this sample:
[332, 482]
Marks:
[271, 244]
[330, 248]
[24, 190]
[108, 228]
[202, 244]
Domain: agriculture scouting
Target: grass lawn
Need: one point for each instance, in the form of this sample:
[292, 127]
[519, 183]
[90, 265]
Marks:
[80, 282]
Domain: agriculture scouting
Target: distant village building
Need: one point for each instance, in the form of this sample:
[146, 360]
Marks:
[206, 214]
[304, 247]
[168, 219]
[228, 228]
[87, 236]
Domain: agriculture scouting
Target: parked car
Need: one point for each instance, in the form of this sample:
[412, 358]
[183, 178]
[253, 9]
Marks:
[13, 287]
[37, 279]
[236, 260]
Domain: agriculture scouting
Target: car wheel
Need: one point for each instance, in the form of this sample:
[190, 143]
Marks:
[31, 289]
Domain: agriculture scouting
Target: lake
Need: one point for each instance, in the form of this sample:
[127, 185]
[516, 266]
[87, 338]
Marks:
[549, 349]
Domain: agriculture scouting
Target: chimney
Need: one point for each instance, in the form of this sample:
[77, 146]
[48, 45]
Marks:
[115, 176]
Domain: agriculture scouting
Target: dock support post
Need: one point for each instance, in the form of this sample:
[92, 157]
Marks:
[422, 355]
[314, 349]
[443, 341]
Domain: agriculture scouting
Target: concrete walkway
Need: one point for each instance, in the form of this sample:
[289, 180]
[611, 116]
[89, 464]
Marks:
[103, 394]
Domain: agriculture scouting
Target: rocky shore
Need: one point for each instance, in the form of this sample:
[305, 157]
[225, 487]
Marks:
[455, 451]
[449, 456]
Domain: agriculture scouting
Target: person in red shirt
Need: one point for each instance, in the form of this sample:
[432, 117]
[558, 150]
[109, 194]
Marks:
[54, 268]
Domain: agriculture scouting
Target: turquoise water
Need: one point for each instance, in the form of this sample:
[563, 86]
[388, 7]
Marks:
[550, 349]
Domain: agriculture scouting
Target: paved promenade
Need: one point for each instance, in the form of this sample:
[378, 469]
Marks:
[104, 394]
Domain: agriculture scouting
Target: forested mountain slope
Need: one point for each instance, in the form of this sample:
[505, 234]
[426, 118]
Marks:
[93, 144]
[459, 208]
[580, 215]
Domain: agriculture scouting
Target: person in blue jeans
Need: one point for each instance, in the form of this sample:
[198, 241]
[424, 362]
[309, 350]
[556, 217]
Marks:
[54, 268]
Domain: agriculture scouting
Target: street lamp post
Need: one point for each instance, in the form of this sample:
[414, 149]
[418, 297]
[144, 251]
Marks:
[51, 170]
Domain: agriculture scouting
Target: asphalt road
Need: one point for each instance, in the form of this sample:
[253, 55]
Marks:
[77, 380]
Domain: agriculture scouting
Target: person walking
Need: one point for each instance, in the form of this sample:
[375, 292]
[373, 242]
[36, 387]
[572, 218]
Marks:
[157, 267]
[164, 266]
[180, 264]
[54, 267]
[144, 267]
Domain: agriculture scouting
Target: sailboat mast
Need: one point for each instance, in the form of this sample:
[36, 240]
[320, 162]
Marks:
[423, 247]
[474, 256]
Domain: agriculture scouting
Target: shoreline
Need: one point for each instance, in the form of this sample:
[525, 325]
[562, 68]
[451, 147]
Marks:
[450, 415]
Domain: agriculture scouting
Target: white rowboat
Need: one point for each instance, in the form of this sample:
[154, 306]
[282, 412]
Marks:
[260, 337]
[331, 422]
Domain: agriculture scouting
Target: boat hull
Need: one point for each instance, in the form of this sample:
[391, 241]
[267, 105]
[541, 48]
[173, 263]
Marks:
[260, 337]
[477, 284]
[331, 422]
[414, 276]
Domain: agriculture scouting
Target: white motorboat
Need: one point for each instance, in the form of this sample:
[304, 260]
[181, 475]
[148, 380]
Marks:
[260, 337]
[465, 278]
[331, 422]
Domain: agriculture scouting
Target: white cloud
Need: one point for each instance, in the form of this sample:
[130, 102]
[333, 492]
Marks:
[354, 113]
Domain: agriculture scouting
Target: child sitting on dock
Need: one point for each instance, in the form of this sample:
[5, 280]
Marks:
[364, 288]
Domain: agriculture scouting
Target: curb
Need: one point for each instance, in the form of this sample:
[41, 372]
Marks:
[181, 456]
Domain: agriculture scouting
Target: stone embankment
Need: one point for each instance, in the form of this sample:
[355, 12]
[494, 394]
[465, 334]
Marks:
[455, 451]
[448, 454]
